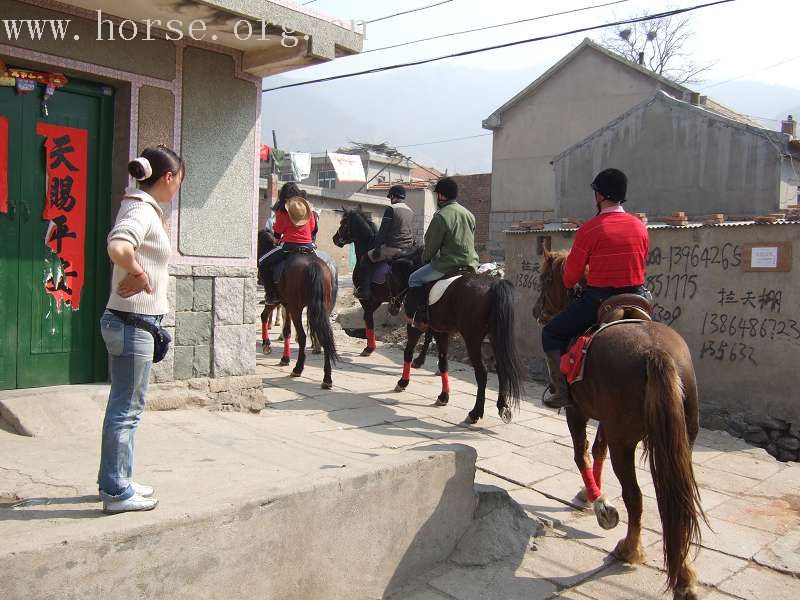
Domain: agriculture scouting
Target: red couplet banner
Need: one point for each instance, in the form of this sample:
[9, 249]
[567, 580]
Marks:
[65, 208]
[3, 165]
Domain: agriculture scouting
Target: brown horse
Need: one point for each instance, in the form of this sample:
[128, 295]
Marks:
[639, 384]
[306, 282]
[474, 306]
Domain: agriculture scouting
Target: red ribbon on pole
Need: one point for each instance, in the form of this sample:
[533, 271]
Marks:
[65, 208]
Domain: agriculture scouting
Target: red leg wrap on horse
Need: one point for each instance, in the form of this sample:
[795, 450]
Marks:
[445, 383]
[287, 347]
[371, 338]
[264, 331]
[597, 471]
[592, 491]
[406, 370]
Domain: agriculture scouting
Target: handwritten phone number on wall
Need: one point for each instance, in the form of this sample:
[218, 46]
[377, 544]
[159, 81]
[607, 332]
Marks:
[735, 326]
[723, 351]
[726, 256]
[676, 285]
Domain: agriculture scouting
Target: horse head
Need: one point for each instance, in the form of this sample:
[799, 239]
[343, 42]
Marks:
[553, 296]
[354, 228]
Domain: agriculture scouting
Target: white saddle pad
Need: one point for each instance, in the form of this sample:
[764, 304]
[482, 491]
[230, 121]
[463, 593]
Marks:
[439, 288]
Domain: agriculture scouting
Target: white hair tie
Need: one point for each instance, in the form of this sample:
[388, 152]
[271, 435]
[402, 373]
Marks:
[148, 168]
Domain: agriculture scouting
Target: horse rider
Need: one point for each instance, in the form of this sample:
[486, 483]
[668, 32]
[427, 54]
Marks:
[449, 247]
[296, 225]
[395, 237]
[613, 245]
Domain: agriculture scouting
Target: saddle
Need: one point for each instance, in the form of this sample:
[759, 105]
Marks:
[622, 308]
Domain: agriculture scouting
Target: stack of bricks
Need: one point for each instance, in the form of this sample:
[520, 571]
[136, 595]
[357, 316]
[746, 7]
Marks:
[641, 216]
[678, 219]
[714, 219]
[770, 218]
[793, 212]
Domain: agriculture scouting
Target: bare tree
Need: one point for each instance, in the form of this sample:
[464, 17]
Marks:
[659, 45]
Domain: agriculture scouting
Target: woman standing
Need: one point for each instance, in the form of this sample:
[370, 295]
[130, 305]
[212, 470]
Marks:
[139, 247]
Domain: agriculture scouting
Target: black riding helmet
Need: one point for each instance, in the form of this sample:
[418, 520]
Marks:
[611, 183]
[397, 191]
[447, 187]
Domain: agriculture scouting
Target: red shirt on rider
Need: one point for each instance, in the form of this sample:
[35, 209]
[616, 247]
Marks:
[291, 233]
[614, 246]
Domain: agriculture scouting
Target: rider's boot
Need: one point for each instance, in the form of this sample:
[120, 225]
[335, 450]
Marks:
[271, 290]
[417, 305]
[364, 290]
[560, 397]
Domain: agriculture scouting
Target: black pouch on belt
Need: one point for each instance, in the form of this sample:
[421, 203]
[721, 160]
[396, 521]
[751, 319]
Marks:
[161, 337]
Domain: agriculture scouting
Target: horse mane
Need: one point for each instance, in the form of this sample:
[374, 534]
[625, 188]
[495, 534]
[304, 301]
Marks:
[557, 259]
[365, 220]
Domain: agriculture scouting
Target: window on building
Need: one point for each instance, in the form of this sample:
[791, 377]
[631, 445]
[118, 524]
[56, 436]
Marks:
[327, 179]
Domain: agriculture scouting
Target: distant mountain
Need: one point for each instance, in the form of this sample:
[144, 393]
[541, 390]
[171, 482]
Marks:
[438, 102]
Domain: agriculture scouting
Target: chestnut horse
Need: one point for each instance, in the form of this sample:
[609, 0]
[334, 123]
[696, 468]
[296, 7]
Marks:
[474, 306]
[358, 229]
[639, 384]
[307, 281]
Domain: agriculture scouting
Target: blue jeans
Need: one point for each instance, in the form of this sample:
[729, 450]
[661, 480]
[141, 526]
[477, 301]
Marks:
[425, 274]
[130, 352]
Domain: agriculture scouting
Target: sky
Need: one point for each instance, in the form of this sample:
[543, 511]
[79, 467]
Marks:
[742, 38]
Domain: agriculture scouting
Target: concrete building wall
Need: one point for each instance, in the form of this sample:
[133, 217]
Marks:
[219, 137]
[790, 182]
[585, 94]
[678, 157]
[475, 193]
[743, 328]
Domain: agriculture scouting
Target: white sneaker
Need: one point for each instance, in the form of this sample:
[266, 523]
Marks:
[145, 491]
[134, 503]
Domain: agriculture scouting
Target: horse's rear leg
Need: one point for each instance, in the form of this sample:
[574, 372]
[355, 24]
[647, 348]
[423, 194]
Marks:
[412, 337]
[442, 342]
[287, 343]
[300, 334]
[629, 549]
[266, 318]
[423, 354]
[369, 324]
[473, 344]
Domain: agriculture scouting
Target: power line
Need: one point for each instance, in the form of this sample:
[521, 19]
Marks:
[783, 62]
[406, 12]
[444, 35]
[499, 46]
[458, 139]
[309, 2]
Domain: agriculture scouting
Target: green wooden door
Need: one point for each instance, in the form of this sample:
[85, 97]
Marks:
[42, 344]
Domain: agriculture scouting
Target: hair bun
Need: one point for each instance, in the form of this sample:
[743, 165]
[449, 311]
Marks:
[140, 168]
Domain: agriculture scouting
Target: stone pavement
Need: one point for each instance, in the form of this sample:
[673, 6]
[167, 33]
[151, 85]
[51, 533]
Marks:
[750, 551]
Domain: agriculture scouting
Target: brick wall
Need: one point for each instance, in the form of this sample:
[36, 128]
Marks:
[475, 192]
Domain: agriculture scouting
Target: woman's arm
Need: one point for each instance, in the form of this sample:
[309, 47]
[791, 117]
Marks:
[123, 254]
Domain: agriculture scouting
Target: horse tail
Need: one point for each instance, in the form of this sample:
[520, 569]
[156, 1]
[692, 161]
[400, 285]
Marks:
[667, 445]
[318, 316]
[501, 336]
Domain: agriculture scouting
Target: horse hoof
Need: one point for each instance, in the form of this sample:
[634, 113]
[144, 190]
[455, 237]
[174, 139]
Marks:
[284, 362]
[632, 556]
[685, 593]
[506, 415]
[401, 385]
[266, 349]
[581, 499]
[327, 385]
[606, 513]
[295, 374]
[443, 399]
[471, 420]
[367, 351]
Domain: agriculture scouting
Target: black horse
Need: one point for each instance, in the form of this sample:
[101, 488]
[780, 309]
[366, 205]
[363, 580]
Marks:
[358, 229]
